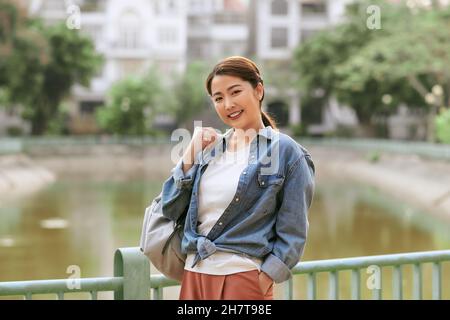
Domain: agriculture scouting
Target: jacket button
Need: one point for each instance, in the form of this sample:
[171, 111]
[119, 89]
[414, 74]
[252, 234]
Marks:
[237, 199]
[244, 172]
[262, 183]
[220, 223]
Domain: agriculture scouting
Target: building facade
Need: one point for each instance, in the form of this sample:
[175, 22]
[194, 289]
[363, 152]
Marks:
[133, 35]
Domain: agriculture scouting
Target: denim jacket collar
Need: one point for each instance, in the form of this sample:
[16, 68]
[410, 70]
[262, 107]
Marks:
[266, 132]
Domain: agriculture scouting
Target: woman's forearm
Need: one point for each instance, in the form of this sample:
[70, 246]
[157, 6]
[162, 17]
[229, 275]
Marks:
[188, 159]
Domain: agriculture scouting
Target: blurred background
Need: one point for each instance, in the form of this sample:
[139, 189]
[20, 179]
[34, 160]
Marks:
[90, 92]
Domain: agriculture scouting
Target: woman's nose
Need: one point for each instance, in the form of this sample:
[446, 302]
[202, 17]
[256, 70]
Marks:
[228, 103]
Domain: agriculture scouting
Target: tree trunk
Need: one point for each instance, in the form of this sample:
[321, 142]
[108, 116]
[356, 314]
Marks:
[366, 130]
[39, 123]
[431, 126]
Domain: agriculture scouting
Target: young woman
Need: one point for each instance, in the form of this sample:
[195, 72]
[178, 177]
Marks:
[247, 192]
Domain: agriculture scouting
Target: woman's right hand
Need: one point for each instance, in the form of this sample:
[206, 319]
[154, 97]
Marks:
[203, 136]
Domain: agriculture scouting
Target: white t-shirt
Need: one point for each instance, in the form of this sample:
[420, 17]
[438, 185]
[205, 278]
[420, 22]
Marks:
[217, 188]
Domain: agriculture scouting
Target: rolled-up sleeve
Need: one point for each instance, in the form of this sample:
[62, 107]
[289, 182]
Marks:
[177, 189]
[292, 220]
[181, 179]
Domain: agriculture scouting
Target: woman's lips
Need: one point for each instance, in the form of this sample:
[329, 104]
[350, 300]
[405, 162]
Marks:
[236, 115]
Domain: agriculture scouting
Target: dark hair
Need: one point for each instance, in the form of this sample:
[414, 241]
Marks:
[245, 69]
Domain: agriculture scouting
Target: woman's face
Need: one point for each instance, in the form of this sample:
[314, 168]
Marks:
[237, 102]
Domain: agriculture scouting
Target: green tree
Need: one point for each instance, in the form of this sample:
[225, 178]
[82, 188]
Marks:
[24, 53]
[73, 59]
[407, 63]
[317, 58]
[443, 126]
[404, 59]
[190, 92]
[40, 64]
[133, 103]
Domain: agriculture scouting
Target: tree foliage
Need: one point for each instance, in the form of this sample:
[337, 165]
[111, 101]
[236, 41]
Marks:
[190, 92]
[40, 64]
[404, 59]
[133, 103]
[443, 126]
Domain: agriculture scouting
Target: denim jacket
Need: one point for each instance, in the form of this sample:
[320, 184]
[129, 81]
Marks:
[268, 217]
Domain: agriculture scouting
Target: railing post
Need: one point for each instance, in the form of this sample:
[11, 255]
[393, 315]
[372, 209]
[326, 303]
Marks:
[417, 281]
[312, 286]
[356, 284]
[333, 285]
[157, 293]
[134, 267]
[397, 287]
[437, 278]
[288, 289]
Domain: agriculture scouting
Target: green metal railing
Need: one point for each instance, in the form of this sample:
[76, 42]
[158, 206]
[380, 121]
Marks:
[355, 265]
[132, 279]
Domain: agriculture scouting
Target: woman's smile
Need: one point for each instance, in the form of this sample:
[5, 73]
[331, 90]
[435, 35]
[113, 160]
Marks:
[235, 115]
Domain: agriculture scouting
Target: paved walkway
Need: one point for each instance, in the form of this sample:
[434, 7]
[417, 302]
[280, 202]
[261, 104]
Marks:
[19, 175]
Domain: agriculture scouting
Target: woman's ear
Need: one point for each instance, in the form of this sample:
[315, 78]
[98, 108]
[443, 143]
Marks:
[259, 91]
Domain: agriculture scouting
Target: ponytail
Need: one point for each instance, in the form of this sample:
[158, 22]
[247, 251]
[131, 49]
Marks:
[267, 120]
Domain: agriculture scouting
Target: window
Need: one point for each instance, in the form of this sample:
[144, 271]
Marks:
[91, 5]
[165, 7]
[89, 107]
[280, 111]
[129, 30]
[307, 33]
[229, 18]
[312, 110]
[279, 38]
[167, 35]
[314, 7]
[279, 7]
[171, 7]
[196, 5]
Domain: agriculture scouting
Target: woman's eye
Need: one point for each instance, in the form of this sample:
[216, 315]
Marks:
[234, 92]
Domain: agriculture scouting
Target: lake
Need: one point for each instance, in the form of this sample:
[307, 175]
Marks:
[80, 222]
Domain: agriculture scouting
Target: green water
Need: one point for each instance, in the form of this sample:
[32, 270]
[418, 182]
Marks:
[81, 222]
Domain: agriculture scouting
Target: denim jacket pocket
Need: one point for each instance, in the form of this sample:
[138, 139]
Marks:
[266, 180]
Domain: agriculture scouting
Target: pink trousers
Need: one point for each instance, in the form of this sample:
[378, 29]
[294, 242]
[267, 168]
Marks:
[236, 286]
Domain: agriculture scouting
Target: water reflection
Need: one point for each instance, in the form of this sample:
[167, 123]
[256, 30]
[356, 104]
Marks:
[54, 223]
[354, 220]
[6, 242]
[82, 222]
